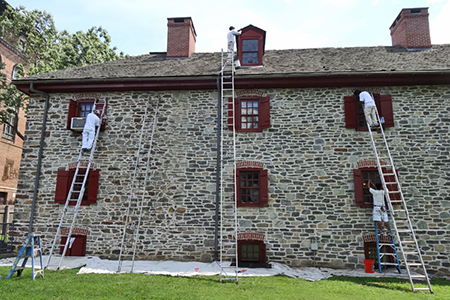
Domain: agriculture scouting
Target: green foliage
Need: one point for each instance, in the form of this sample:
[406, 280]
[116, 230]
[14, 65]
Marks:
[66, 284]
[46, 49]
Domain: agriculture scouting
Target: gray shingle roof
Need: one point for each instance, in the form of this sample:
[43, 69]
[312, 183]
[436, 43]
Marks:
[295, 62]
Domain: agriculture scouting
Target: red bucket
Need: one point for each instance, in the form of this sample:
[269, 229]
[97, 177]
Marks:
[368, 265]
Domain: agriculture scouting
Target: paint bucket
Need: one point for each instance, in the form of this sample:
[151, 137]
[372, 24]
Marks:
[368, 265]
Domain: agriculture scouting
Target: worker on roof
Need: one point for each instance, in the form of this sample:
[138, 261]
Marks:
[92, 121]
[231, 41]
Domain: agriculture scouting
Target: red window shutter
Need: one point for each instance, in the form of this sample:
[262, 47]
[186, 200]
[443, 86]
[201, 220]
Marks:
[62, 186]
[238, 188]
[264, 113]
[99, 106]
[93, 186]
[386, 110]
[230, 113]
[263, 187]
[72, 112]
[358, 182]
[262, 253]
[351, 112]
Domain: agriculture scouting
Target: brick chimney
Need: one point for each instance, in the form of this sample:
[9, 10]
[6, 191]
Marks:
[181, 37]
[411, 28]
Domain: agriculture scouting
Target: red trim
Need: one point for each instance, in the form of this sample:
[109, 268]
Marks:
[326, 80]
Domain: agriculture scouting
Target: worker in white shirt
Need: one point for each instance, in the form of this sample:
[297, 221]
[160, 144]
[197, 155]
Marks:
[231, 41]
[92, 121]
[370, 110]
[379, 209]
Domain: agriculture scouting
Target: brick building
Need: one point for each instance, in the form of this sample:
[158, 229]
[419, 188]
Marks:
[304, 138]
[10, 143]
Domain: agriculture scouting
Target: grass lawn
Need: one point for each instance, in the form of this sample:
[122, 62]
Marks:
[66, 284]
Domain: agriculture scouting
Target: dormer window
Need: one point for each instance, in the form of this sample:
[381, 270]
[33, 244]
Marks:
[250, 52]
[250, 46]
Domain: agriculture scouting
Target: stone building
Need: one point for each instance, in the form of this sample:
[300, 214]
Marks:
[10, 143]
[305, 140]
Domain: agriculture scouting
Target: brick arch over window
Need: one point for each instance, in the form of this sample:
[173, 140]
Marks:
[354, 115]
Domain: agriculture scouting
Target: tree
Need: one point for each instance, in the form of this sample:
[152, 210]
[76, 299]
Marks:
[46, 49]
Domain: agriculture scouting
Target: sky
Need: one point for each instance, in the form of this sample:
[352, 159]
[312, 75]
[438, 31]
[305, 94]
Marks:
[140, 26]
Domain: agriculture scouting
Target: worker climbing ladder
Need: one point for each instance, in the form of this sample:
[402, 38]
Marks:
[30, 249]
[227, 161]
[400, 221]
[133, 215]
[76, 193]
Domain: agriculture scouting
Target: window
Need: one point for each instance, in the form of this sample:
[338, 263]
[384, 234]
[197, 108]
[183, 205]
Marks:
[64, 181]
[252, 114]
[363, 197]
[354, 114]
[249, 52]
[9, 131]
[252, 187]
[251, 253]
[250, 46]
[80, 109]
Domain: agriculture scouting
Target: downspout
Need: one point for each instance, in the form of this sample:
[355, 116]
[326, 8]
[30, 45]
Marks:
[39, 162]
[218, 168]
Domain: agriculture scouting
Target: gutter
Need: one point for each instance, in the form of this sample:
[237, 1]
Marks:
[39, 162]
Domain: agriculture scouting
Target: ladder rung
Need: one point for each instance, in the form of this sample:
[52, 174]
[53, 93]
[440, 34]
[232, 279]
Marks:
[388, 264]
[388, 174]
[407, 242]
[410, 252]
[388, 183]
[394, 192]
[422, 289]
[403, 230]
[414, 264]
[418, 276]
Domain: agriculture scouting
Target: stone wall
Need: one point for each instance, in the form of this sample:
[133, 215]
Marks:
[308, 152]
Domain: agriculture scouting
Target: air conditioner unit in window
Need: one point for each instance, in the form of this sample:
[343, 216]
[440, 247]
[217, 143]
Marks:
[77, 124]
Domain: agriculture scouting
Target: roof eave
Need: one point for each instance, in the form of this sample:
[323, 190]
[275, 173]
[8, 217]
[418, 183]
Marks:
[293, 80]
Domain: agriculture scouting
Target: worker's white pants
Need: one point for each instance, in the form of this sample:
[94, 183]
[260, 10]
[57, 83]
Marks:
[371, 115]
[230, 49]
[88, 138]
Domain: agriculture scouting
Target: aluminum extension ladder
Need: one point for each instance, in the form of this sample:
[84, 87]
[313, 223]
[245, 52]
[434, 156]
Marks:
[228, 209]
[76, 193]
[133, 214]
[398, 211]
[30, 249]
